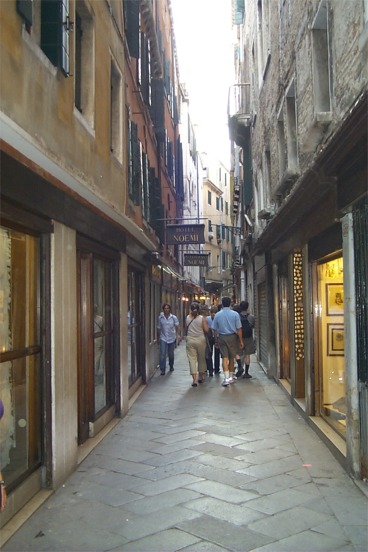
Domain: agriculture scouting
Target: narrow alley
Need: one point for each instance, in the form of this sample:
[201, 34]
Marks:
[204, 469]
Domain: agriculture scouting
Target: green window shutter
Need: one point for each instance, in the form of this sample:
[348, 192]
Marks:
[24, 8]
[136, 165]
[55, 28]
[50, 23]
[131, 25]
[65, 28]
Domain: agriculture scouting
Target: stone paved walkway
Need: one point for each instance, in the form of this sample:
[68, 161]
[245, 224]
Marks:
[204, 469]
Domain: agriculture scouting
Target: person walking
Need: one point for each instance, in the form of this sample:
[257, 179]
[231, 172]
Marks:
[216, 348]
[228, 336]
[196, 326]
[211, 342]
[168, 331]
[248, 322]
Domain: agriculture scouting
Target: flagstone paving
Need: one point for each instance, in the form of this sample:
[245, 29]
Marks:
[204, 469]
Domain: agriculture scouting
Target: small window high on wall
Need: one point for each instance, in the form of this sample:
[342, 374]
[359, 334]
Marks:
[321, 60]
[84, 67]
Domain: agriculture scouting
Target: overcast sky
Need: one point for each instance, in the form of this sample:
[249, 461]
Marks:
[204, 45]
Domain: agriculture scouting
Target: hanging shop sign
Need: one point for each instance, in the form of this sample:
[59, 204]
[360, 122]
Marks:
[195, 260]
[180, 234]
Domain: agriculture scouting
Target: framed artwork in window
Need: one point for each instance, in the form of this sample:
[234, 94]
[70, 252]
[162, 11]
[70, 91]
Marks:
[335, 299]
[335, 339]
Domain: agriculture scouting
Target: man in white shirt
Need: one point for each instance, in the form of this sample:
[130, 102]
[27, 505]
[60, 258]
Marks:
[168, 330]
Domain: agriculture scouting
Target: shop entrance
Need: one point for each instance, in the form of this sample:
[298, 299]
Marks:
[136, 329]
[329, 312]
[98, 340]
[284, 317]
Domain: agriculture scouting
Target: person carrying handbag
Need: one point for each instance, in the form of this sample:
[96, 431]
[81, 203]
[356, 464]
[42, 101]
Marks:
[196, 325]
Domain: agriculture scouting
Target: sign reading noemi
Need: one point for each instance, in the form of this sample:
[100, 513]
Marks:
[180, 234]
[195, 260]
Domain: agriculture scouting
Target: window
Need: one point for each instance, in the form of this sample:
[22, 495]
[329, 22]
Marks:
[134, 164]
[210, 226]
[281, 143]
[267, 177]
[223, 260]
[116, 123]
[217, 203]
[145, 69]
[20, 355]
[102, 339]
[291, 121]
[209, 198]
[321, 64]
[263, 24]
[84, 68]
[145, 188]
[55, 27]
[226, 207]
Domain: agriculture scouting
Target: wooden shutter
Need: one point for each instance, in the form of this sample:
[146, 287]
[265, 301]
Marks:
[55, 27]
[136, 164]
[24, 8]
[131, 26]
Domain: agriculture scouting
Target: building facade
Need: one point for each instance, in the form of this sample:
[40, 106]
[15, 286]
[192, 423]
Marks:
[91, 170]
[301, 110]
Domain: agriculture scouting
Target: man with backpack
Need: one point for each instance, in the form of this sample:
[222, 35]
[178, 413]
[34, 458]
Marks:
[248, 322]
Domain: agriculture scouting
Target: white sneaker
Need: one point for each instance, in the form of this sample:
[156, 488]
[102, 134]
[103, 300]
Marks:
[231, 380]
[225, 383]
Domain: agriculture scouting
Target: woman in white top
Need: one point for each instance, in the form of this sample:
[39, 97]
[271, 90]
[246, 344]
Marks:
[196, 325]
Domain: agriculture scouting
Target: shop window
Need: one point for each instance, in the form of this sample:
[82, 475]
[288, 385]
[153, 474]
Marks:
[330, 312]
[20, 355]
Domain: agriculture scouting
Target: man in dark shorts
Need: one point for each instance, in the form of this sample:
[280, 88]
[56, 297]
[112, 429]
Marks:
[227, 328]
[248, 322]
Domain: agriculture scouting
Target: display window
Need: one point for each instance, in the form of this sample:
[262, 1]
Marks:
[20, 355]
[330, 313]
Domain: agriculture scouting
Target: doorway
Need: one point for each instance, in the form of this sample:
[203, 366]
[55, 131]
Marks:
[284, 318]
[98, 339]
[329, 310]
[136, 329]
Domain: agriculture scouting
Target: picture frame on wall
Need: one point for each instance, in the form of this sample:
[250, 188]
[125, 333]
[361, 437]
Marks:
[334, 299]
[335, 340]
